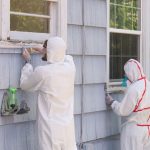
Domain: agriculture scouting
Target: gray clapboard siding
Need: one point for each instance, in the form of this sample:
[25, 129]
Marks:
[103, 144]
[77, 99]
[75, 40]
[78, 64]
[95, 13]
[95, 41]
[16, 64]
[78, 128]
[94, 98]
[94, 69]
[75, 12]
[4, 70]
[10, 68]
[18, 137]
[100, 125]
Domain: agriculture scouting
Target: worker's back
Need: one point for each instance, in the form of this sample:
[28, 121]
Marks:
[58, 89]
[142, 113]
[55, 84]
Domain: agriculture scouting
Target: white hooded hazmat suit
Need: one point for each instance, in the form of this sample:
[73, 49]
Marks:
[135, 134]
[55, 84]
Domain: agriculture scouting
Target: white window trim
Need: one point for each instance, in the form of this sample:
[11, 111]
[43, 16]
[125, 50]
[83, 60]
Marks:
[146, 38]
[110, 85]
[58, 23]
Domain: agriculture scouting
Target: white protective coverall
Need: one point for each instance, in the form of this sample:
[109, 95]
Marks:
[55, 84]
[135, 134]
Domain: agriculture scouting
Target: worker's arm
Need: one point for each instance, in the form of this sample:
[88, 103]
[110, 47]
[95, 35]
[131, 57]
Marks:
[36, 49]
[30, 80]
[127, 105]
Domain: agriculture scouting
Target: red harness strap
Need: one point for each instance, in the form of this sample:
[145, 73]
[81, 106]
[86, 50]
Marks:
[137, 66]
[146, 125]
[138, 104]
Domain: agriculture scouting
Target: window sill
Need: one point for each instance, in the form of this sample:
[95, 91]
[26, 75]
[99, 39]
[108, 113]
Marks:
[16, 46]
[114, 87]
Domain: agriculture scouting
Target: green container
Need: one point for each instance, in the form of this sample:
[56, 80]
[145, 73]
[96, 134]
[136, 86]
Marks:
[12, 100]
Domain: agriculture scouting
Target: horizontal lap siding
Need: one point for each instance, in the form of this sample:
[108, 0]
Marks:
[94, 69]
[95, 41]
[95, 13]
[22, 136]
[111, 143]
[10, 71]
[100, 125]
[75, 12]
[94, 98]
[87, 43]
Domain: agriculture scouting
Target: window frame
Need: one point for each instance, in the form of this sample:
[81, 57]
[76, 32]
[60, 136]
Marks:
[115, 86]
[58, 22]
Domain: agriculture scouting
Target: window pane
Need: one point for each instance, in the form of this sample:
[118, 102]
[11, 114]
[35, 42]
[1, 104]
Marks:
[120, 13]
[122, 48]
[125, 14]
[29, 24]
[137, 3]
[120, 2]
[113, 16]
[115, 72]
[128, 18]
[112, 1]
[29, 6]
[130, 45]
[115, 44]
[129, 3]
[136, 19]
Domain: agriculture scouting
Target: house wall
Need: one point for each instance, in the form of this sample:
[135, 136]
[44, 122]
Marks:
[17, 132]
[97, 127]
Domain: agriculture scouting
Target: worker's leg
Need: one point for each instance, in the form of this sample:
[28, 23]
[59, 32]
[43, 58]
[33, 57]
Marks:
[147, 144]
[133, 137]
[70, 142]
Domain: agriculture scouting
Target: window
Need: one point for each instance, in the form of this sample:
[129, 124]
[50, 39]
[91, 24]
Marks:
[124, 35]
[125, 14]
[122, 48]
[33, 19]
[29, 16]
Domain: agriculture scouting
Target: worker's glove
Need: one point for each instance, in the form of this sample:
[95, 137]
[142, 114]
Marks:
[109, 100]
[26, 55]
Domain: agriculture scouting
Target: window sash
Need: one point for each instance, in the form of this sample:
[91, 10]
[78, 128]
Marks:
[58, 21]
[29, 14]
[119, 54]
[115, 5]
[123, 31]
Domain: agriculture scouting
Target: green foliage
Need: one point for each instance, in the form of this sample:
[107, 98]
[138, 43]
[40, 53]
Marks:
[29, 6]
[125, 15]
[29, 24]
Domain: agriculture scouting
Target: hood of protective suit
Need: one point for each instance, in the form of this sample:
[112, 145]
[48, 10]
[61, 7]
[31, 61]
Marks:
[56, 49]
[133, 70]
